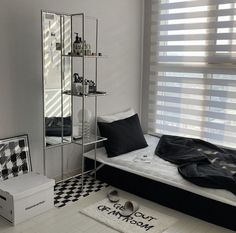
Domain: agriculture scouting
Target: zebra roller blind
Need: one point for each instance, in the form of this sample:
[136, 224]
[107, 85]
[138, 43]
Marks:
[192, 83]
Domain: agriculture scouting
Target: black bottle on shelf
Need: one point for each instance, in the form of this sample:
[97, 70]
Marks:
[76, 44]
[76, 77]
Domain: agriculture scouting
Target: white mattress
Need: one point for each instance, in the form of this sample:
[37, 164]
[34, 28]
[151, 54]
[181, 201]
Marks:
[159, 170]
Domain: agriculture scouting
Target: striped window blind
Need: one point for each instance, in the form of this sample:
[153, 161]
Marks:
[192, 84]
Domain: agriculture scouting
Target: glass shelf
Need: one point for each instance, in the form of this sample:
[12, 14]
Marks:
[52, 142]
[91, 140]
[87, 17]
[85, 56]
[98, 93]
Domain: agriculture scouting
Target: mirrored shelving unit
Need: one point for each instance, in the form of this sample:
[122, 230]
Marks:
[70, 46]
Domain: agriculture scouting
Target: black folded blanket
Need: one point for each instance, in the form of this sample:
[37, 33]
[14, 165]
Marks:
[54, 126]
[200, 162]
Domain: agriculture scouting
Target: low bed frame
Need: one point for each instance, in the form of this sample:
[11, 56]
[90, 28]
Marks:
[189, 203]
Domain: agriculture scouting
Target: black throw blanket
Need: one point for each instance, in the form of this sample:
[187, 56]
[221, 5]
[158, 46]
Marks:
[200, 162]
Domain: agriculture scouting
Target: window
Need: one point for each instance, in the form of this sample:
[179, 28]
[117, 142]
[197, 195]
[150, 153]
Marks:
[192, 89]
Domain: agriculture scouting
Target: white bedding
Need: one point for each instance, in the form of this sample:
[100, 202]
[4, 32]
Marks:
[158, 169]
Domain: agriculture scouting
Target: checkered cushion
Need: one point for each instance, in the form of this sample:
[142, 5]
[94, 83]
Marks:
[14, 157]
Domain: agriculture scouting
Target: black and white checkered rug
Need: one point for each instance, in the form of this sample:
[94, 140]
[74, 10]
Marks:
[70, 190]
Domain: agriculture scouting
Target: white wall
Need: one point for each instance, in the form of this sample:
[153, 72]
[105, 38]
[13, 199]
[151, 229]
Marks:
[21, 68]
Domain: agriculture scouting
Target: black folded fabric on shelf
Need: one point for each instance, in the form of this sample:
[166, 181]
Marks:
[200, 162]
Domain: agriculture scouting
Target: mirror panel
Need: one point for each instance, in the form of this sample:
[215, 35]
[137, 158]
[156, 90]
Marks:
[56, 34]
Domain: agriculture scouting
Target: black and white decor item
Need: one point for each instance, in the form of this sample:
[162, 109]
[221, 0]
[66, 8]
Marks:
[14, 157]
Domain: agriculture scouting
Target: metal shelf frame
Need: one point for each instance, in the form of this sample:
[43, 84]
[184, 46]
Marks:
[83, 142]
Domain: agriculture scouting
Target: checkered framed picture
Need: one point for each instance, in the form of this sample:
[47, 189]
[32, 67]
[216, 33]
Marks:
[14, 157]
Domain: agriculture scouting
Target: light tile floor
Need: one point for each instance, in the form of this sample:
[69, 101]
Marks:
[69, 220]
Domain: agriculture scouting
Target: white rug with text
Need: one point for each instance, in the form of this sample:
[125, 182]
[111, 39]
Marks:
[143, 220]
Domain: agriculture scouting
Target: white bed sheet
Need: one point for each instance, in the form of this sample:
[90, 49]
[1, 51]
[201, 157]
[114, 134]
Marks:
[159, 170]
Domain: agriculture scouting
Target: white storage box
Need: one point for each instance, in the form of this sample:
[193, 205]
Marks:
[25, 196]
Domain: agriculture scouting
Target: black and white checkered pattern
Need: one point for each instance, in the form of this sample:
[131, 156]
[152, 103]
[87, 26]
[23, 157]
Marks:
[70, 190]
[14, 157]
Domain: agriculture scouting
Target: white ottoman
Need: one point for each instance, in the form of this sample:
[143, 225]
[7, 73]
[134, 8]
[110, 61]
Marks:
[25, 196]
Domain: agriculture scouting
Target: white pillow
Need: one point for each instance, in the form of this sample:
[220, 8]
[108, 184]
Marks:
[117, 116]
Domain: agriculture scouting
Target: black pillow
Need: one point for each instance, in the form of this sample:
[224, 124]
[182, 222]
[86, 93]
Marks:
[123, 136]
